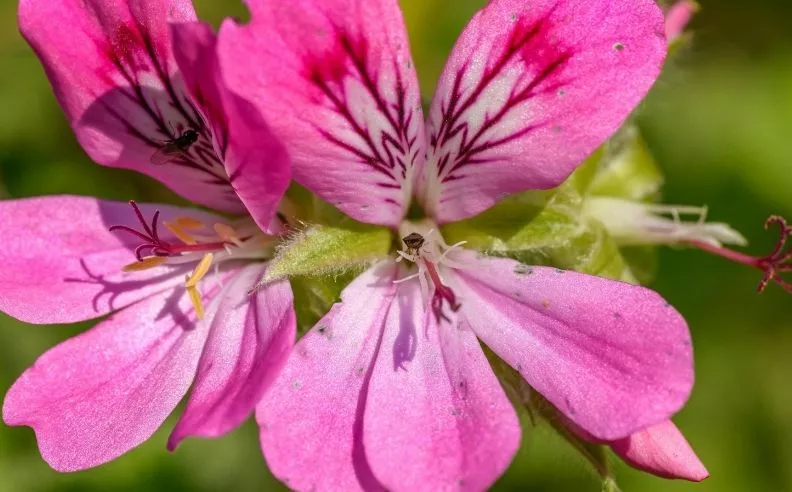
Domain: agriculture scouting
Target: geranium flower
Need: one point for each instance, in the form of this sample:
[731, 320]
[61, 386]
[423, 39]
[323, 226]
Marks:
[68, 259]
[391, 389]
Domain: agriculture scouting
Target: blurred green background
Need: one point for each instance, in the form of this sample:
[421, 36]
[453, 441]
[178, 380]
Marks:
[720, 124]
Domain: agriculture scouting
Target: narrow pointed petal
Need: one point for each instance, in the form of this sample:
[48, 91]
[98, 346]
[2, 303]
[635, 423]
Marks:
[100, 394]
[61, 264]
[114, 73]
[312, 417]
[335, 81]
[530, 90]
[257, 164]
[613, 357]
[436, 417]
[663, 451]
[250, 338]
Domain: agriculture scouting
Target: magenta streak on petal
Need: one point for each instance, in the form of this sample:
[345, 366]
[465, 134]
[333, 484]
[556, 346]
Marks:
[520, 43]
[328, 75]
[201, 155]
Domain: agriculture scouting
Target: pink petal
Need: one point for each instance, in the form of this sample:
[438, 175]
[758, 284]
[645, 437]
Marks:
[114, 73]
[62, 265]
[678, 17]
[336, 82]
[436, 417]
[613, 357]
[530, 90]
[100, 394]
[312, 417]
[250, 337]
[661, 450]
[257, 164]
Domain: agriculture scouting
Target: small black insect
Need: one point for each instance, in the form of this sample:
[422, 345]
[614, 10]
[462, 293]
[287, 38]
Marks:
[175, 148]
[413, 241]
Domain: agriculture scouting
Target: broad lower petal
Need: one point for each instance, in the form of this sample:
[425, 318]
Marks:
[311, 419]
[530, 90]
[112, 67]
[436, 417]
[61, 264]
[100, 394]
[257, 164]
[250, 338]
[335, 81]
[613, 357]
[661, 450]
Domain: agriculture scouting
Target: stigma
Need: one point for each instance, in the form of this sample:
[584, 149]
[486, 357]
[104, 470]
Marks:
[425, 247]
[192, 242]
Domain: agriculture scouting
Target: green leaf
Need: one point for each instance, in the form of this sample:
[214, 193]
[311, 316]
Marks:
[323, 250]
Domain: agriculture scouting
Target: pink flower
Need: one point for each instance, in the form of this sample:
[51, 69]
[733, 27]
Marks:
[94, 397]
[391, 389]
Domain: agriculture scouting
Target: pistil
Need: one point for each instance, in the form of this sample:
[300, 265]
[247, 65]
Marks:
[428, 253]
[204, 251]
[777, 262]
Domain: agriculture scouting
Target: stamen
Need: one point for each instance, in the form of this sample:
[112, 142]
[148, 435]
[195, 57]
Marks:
[177, 231]
[773, 264]
[156, 246]
[195, 298]
[407, 278]
[200, 270]
[189, 223]
[225, 232]
[144, 264]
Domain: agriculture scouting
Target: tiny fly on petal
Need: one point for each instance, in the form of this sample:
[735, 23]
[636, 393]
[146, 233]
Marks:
[175, 148]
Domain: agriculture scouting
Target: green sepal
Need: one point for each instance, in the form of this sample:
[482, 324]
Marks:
[626, 169]
[544, 228]
[609, 485]
[537, 407]
[314, 296]
[584, 175]
[642, 262]
[321, 250]
[302, 206]
[681, 42]
[596, 454]
[594, 252]
[527, 221]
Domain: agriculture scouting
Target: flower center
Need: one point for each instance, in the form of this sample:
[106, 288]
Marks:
[192, 243]
[426, 248]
